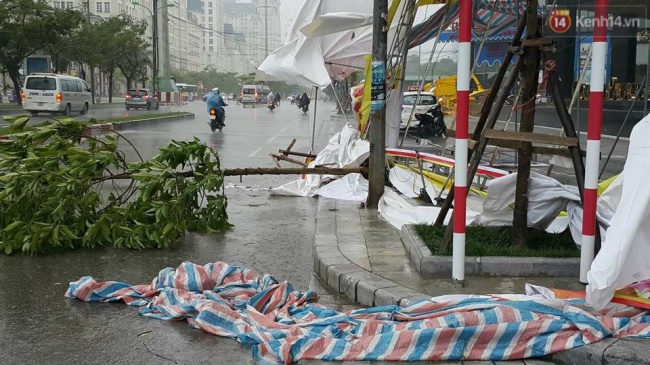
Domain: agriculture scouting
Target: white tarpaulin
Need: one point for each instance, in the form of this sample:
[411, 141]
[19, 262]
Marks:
[344, 149]
[351, 187]
[547, 197]
[624, 257]
[335, 22]
[398, 211]
[335, 47]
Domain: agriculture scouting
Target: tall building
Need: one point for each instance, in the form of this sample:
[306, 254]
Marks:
[185, 37]
[259, 23]
[212, 34]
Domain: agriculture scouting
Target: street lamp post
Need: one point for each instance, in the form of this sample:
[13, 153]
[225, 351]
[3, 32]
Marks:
[154, 39]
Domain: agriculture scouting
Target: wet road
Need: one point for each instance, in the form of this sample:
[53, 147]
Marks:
[271, 234]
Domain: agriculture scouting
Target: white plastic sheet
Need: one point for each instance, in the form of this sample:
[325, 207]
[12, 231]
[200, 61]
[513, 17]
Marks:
[344, 149]
[398, 211]
[547, 197]
[625, 255]
[351, 187]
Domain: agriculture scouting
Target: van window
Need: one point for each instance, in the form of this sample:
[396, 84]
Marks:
[65, 85]
[40, 83]
[77, 86]
[248, 90]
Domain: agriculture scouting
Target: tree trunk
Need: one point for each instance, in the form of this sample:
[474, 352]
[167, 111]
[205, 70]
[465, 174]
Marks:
[128, 83]
[529, 75]
[14, 75]
[110, 86]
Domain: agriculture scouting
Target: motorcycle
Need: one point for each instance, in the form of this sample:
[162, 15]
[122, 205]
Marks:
[432, 123]
[304, 108]
[271, 105]
[216, 120]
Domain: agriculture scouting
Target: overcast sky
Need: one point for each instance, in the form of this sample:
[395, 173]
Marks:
[289, 9]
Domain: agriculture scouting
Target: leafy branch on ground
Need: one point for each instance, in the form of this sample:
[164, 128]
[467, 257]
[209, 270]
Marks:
[57, 191]
[497, 241]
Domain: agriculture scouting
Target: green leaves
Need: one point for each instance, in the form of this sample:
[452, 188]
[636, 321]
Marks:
[54, 195]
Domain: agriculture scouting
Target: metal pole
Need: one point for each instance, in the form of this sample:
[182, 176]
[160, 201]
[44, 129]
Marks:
[620, 130]
[154, 71]
[465, 18]
[377, 173]
[313, 129]
[647, 81]
[594, 129]
[92, 68]
[266, 33]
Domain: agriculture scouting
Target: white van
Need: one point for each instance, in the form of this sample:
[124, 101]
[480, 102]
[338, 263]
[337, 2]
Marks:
[53, 93]
[251, 95]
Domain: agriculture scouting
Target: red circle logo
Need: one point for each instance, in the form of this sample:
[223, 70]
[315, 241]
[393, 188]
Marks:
[560, 21]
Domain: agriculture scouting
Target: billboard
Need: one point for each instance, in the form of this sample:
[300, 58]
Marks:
[581, 51]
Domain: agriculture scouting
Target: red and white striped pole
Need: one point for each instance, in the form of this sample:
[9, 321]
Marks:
[462, 127]
[594, 127]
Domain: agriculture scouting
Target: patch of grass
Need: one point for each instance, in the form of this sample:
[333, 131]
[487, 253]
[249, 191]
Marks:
[8, 106]
[138, 117]
[497, 241]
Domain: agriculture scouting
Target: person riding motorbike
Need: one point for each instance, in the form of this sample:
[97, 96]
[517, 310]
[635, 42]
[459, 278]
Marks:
[215, 101]
[270, 98]
[303, 100]
[277, 99]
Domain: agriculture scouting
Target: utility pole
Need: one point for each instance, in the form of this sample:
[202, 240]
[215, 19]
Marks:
[377, 173]
[266, 28]
[92, 68]
[154, 60]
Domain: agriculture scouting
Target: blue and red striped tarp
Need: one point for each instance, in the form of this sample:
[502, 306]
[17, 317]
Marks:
[283, 325]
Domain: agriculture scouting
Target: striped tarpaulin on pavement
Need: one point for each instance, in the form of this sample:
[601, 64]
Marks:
[283, 325]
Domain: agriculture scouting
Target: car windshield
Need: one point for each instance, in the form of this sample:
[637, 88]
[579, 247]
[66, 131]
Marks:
[248, 91]
[423, 100]
[137, 92]
[40, 83]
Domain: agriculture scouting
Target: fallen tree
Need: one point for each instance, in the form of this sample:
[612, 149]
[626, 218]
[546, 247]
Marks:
[60, 189]
[51, 198]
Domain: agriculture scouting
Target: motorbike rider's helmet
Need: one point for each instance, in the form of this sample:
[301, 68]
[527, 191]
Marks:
[215, 90]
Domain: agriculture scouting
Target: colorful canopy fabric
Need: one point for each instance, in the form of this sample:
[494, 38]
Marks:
[506, 14]
[283, 325]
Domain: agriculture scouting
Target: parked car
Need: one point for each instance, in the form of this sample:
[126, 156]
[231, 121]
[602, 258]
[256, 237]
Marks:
[424, 103]
[141, 98]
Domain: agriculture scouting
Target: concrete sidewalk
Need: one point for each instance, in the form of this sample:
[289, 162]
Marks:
[361, 256]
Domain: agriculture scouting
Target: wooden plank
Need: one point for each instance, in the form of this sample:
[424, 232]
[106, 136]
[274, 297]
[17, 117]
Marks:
[275, 160]
[301, 154]
[288, 159]
[291, 145]
[537, 42]
[531, 138]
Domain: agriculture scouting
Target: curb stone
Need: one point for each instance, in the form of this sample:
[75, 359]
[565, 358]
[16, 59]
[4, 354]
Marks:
[429, 265]
[345, 277]
[119, 126]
